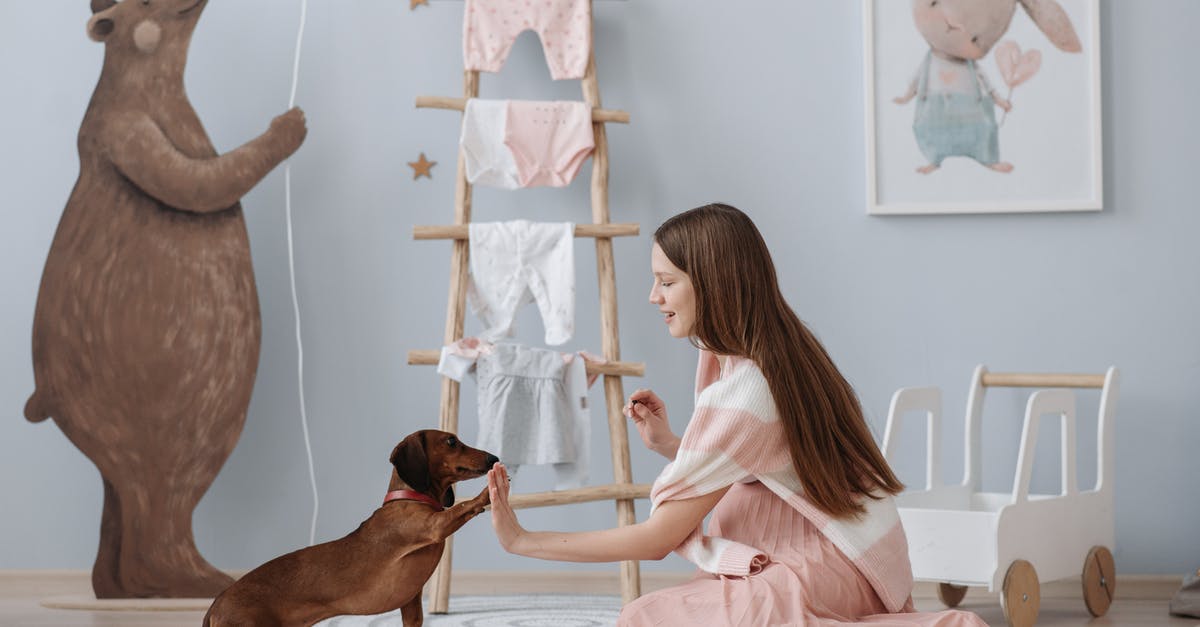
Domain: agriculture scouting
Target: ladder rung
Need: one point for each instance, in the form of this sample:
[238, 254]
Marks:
[461, 231]
[615, 368]
[610, 492]
[458, 104]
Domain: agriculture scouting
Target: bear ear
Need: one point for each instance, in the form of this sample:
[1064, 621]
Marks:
[100, 26]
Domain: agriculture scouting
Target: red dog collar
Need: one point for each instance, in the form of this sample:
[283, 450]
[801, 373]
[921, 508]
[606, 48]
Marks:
[409, 495]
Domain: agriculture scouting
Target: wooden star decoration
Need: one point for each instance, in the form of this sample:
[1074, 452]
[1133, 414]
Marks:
[421, 167]
[412, 4]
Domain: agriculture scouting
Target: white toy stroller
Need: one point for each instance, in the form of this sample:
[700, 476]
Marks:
[959, 536]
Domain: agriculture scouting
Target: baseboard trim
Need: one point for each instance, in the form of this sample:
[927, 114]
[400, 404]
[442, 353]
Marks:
[1131, 587]
[89, 602]
[1144, 587]
[44, 583]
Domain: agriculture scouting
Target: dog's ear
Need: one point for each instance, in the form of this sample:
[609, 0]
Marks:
[411, 463]
[448, 497]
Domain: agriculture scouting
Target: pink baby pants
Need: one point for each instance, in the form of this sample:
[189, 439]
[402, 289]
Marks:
[565, 27]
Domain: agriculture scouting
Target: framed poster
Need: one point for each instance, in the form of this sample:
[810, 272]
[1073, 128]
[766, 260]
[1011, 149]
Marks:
[982, 107]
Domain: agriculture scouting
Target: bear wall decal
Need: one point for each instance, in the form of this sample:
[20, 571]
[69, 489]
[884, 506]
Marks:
[147, 330]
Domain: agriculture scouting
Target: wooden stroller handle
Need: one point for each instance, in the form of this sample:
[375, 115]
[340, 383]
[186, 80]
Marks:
[1036, 380]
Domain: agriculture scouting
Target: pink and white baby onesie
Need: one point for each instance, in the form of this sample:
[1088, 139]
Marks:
[522, 143]
[565, 27]
[514, 263]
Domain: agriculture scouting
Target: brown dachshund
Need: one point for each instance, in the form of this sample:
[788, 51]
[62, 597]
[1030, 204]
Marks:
[382, 565]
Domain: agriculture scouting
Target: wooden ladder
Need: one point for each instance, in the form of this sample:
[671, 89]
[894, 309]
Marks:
[622, 490]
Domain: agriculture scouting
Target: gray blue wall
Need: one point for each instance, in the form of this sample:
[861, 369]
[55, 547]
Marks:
[756, 103]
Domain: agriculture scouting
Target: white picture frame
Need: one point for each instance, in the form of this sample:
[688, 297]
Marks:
[1052, 135]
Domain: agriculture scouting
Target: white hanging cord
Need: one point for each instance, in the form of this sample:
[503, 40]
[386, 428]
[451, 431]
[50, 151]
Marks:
[287, 196]
[296, 61]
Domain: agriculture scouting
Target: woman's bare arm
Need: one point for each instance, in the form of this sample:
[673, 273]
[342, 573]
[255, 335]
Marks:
[667, 528]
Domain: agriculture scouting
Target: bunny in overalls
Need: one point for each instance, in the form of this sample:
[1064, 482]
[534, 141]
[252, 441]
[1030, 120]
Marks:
[957, 120]
[956, 115]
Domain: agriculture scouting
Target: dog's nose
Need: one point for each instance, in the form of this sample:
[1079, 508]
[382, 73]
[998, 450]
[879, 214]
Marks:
[491, 460]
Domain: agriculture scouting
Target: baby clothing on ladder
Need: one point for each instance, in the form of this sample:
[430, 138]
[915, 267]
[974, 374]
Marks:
[519, 143]
[549, 140]
[518, 262]
[565, 27]
[458, 359]
[487, 159]
[532, 405]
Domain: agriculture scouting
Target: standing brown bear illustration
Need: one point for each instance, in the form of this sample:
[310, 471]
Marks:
[147, 329]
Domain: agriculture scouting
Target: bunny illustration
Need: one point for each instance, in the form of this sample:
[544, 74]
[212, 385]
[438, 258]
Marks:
[147, 329]
[955, 110]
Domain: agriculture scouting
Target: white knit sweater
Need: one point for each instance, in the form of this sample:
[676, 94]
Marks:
[735, 435]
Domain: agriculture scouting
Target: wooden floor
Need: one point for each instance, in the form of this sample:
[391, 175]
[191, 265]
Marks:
[1143, 605]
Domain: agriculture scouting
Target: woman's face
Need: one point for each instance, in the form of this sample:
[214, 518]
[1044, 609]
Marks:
[673, 294]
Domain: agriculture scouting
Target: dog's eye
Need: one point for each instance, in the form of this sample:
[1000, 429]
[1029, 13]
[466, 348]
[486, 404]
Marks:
[452, 441]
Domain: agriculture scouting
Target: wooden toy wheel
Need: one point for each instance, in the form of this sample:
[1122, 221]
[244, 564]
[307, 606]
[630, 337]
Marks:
[1099, 580]
[950, 594]
[1021, 596]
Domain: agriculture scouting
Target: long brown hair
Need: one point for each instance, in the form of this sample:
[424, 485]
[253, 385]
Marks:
[740, 311]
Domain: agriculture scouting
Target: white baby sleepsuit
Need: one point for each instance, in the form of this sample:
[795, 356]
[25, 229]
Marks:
[517, 262]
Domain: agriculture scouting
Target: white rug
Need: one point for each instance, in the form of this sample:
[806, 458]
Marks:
[547, 610]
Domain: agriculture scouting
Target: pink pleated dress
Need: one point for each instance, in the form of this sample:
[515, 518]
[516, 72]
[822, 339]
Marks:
[807, 582]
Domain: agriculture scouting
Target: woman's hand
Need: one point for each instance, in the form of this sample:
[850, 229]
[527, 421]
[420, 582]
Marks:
[649, 415]
[504, 519]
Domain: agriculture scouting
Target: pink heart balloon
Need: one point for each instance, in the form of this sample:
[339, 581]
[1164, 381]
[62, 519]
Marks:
[1016, 68]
